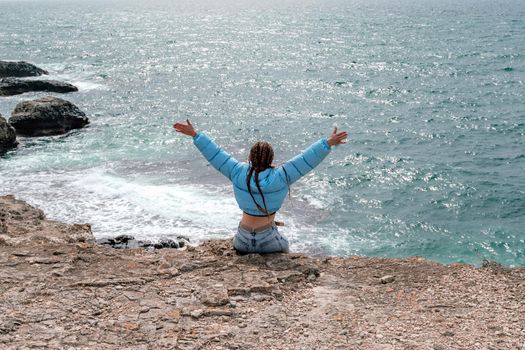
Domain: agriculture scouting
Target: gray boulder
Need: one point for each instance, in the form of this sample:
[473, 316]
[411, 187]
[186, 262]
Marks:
[7, 136]
[47, 116]
[13, 86]
[19, 69]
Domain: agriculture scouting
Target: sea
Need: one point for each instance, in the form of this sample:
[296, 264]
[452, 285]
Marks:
[431, 93]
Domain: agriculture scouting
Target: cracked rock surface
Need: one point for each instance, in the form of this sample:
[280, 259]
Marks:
[57, 294]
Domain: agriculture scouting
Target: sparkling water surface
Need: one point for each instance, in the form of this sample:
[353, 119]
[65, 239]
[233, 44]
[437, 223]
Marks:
[431, 93]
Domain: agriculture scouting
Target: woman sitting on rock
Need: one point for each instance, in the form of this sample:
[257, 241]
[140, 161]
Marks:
[259, 187]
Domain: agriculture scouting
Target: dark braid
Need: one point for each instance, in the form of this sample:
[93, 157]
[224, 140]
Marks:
[261, 158]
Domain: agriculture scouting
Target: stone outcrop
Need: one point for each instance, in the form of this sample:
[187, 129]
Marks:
[19, 69]
[7, 136]
[87, 296]
[47, 116]
[21, 223]
[13, 86]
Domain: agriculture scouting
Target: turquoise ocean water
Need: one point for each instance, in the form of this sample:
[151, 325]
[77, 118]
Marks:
[431, 92]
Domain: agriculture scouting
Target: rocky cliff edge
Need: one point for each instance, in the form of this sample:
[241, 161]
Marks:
[58, 289]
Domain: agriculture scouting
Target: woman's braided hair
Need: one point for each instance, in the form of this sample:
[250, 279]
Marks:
[261, 158]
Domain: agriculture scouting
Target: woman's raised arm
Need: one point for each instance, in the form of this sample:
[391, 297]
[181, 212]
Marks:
[304, 162]
[218, 158]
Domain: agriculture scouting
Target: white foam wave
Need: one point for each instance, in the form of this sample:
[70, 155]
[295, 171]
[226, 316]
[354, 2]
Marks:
[120, 205]
[146, 209]
[88, 85]
[116, 205]
[80, 76]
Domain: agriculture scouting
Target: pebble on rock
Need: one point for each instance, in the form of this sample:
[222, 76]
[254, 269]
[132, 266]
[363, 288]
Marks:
[387, 279]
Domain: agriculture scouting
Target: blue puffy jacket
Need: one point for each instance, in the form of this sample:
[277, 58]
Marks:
[273, 181]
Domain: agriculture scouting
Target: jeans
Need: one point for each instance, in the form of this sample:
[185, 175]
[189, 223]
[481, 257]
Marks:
[266, 241]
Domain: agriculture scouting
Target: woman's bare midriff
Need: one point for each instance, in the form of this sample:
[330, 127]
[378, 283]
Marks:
[255, 222]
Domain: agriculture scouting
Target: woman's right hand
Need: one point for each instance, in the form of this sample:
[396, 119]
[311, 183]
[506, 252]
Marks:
[186, 129]
[337, 138]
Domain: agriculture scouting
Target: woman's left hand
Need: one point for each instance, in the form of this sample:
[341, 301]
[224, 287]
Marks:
[337, 138]
[186, 129]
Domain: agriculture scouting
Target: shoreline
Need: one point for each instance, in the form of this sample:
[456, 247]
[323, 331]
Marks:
[176, 238]
[59, 289]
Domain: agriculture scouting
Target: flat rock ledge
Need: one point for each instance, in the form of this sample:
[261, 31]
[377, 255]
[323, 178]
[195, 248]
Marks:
[7, 136]
[47, 116]
[19, 69]
[56, 294]
[13, 86]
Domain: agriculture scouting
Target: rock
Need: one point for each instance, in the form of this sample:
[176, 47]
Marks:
[311, 277]
[122, 241]
[22, 223]
[290, 277]
[217, 296]
[387, 279]
[191, 266]
[166, 243]
[181, 237]
[9, 325]
[217, 312]
[124, 238]
[13, 86]
[19, 69]
[197, 313]
[47, 116]
[312, 273]
[7, 136]
[260, 297]
[129, 242]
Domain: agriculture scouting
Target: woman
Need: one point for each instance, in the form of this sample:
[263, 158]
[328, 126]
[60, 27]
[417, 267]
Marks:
[259, 187]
